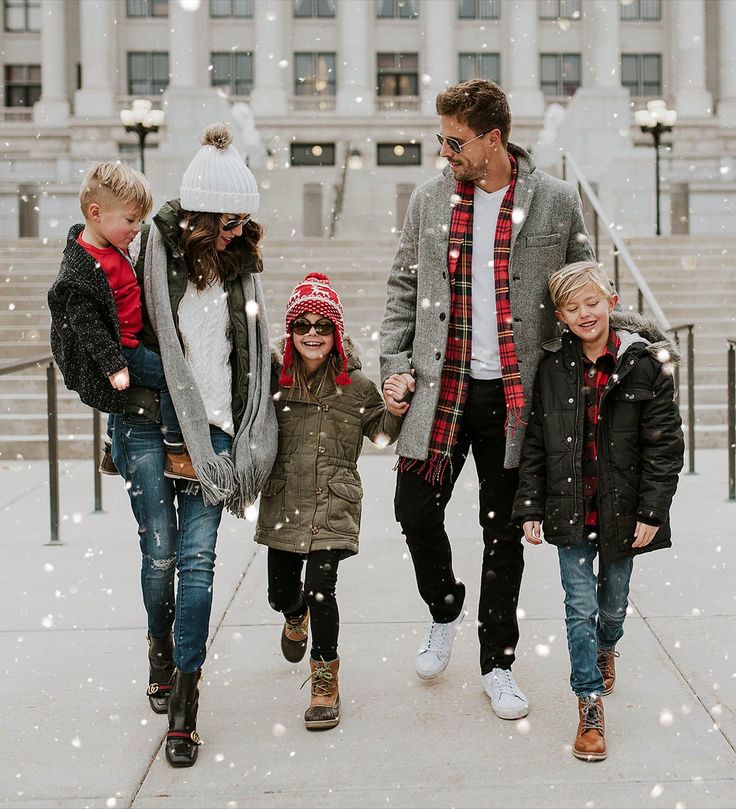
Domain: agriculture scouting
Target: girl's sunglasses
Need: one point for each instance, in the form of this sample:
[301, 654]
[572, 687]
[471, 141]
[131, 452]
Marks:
[301, 327]
[454, 143]
[231, 224]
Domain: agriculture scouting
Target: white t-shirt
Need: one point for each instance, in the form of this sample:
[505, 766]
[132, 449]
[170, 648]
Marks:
[485, 362]
[204, 323]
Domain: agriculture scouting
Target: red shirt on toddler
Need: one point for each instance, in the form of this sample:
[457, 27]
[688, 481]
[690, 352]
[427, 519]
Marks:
[125, 289]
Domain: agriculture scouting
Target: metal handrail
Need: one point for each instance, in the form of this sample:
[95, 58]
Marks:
[339, 191]
[690, 388]
[621, 249]
[731, 416]
[52, 407]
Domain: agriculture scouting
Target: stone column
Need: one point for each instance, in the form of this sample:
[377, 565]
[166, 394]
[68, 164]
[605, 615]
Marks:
[98, 51]
[53, 107]
[691, 99]
[523, 83]
[727, 60]
[188, 46]
[355, 67]
[602, 55]
[270, 95]
[439, 59]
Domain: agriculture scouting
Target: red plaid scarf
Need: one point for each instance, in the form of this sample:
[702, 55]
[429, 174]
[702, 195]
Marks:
[456, 368]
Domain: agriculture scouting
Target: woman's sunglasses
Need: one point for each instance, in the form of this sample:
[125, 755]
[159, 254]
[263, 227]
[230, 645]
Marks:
[322, 327]
[455, 144]
[231, 224]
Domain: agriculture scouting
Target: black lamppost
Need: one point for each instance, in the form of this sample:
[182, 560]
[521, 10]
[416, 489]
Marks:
[143, 120]
[656, 119]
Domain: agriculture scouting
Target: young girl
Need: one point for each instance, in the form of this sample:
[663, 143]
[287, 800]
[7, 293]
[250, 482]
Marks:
[310, 506]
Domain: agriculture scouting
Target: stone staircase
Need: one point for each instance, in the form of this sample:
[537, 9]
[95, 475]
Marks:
[694, 280]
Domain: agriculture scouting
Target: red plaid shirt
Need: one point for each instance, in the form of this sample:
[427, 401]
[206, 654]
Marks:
[595, 379]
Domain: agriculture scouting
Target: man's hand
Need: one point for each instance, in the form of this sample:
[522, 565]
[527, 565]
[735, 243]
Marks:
[533, 532]
[394, 389]
[120, 380]
[644, 534]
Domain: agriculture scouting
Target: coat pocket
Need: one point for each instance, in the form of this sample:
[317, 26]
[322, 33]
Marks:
[343, 508]
[547, 240]
[626, 411]
[271, 507]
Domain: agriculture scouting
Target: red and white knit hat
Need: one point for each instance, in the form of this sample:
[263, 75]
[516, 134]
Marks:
[314, 294]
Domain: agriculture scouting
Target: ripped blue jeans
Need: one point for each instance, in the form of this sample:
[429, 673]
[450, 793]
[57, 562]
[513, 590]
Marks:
[177, 532]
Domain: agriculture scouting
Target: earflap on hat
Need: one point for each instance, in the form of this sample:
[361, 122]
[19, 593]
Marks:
[343, 377]
[286, 380]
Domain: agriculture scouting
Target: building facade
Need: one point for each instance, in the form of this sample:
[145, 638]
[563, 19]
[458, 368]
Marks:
[342, 94]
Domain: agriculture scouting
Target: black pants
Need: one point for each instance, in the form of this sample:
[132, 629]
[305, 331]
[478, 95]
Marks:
[286, 595]
[420, 508]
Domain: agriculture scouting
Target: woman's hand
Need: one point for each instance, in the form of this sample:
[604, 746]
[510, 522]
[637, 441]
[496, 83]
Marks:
[644, 534]
[120, 380]
[396, 388]
[533, 532]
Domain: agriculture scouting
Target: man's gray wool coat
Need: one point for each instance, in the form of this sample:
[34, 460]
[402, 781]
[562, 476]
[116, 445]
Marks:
[548, 232]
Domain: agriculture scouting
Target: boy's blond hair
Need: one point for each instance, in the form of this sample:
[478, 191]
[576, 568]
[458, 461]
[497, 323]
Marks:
[114, 183]
[565, 282]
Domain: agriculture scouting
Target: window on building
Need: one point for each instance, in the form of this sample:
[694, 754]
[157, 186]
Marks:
[480, 66]
[559, 9]
[479, 9]
[233, 71]
[231, 8]
[641, 10]
[312, 154]
[398, 74]
[399, 154]
[147, 8]
[148, 73]
[641, 73]
[22, 85]
[314, 8]
[560, 74]
[22, 15]
[403, 9]
[314, 74]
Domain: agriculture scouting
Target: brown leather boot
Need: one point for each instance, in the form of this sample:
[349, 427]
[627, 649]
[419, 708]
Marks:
[607, 666]
[324, 708]
[590, 741]
[179, 466]
[294, 637]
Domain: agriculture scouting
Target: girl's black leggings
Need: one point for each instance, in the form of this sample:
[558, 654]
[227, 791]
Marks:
[286, 594]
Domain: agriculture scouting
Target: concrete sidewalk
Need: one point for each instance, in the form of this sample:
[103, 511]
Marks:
[77, 730]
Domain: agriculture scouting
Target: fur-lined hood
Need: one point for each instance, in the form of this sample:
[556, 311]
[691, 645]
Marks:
[351, 352]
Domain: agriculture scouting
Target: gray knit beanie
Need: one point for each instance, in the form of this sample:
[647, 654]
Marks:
[217, 180]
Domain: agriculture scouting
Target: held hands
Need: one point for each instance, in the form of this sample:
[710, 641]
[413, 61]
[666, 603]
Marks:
[395, 388]
[120, 380]
[644, 534]
[533, 532]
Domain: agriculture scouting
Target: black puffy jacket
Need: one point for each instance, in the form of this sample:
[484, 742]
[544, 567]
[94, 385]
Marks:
[639, 442]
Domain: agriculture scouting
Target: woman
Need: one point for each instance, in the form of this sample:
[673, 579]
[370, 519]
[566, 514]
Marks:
[204, 313]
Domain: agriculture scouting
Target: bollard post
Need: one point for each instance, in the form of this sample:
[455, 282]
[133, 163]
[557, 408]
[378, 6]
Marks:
[731, 417]
[53, 453]
[96, 454]
[691, 398]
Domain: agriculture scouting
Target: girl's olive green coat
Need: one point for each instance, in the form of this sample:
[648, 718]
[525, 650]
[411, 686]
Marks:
[312, 501]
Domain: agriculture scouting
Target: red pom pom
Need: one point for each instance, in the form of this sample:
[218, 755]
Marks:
[342, 379]
[285, 380]
[316, 276]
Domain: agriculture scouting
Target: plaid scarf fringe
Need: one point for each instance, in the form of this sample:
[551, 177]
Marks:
[433, 468]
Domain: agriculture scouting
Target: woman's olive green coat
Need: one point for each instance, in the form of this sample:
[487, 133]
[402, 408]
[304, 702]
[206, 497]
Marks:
[312, 501]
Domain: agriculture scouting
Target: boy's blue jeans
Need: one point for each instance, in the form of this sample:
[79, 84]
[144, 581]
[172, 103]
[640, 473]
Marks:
[138, 452]
[146, 369]
[595, 609]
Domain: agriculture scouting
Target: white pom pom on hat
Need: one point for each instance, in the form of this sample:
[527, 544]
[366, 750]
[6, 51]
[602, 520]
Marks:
[217, 180]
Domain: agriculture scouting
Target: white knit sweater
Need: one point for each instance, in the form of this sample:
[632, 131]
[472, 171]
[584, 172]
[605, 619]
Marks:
[204, 323]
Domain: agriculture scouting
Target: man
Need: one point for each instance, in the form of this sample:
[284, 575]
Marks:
[466, 313]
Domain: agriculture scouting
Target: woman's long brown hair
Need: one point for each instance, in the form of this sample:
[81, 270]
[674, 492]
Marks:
[206, 264]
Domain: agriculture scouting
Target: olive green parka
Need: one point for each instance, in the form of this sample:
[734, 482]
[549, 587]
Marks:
[312, 501]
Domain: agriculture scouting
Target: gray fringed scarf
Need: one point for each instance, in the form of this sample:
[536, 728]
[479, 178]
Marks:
[237, 482]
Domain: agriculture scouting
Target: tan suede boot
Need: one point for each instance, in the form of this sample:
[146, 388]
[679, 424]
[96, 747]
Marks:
[294, 637]
[590, 741]
[607, 666]
[324, 708]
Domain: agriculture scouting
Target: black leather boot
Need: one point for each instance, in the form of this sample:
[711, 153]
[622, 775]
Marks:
[160, 672]
[182, 741]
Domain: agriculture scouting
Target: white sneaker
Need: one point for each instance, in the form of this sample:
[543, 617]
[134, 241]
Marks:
[434, 653]
[507, 699]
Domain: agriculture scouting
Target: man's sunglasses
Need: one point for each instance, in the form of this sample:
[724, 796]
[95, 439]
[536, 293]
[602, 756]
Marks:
[322, 327]
[455, 144]
[231, 224]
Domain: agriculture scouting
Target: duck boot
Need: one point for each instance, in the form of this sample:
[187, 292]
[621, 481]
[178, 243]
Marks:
[607, 665]
[590, 740]
[182, 740]
[160, 672]
[324, 707]
[294, 637]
